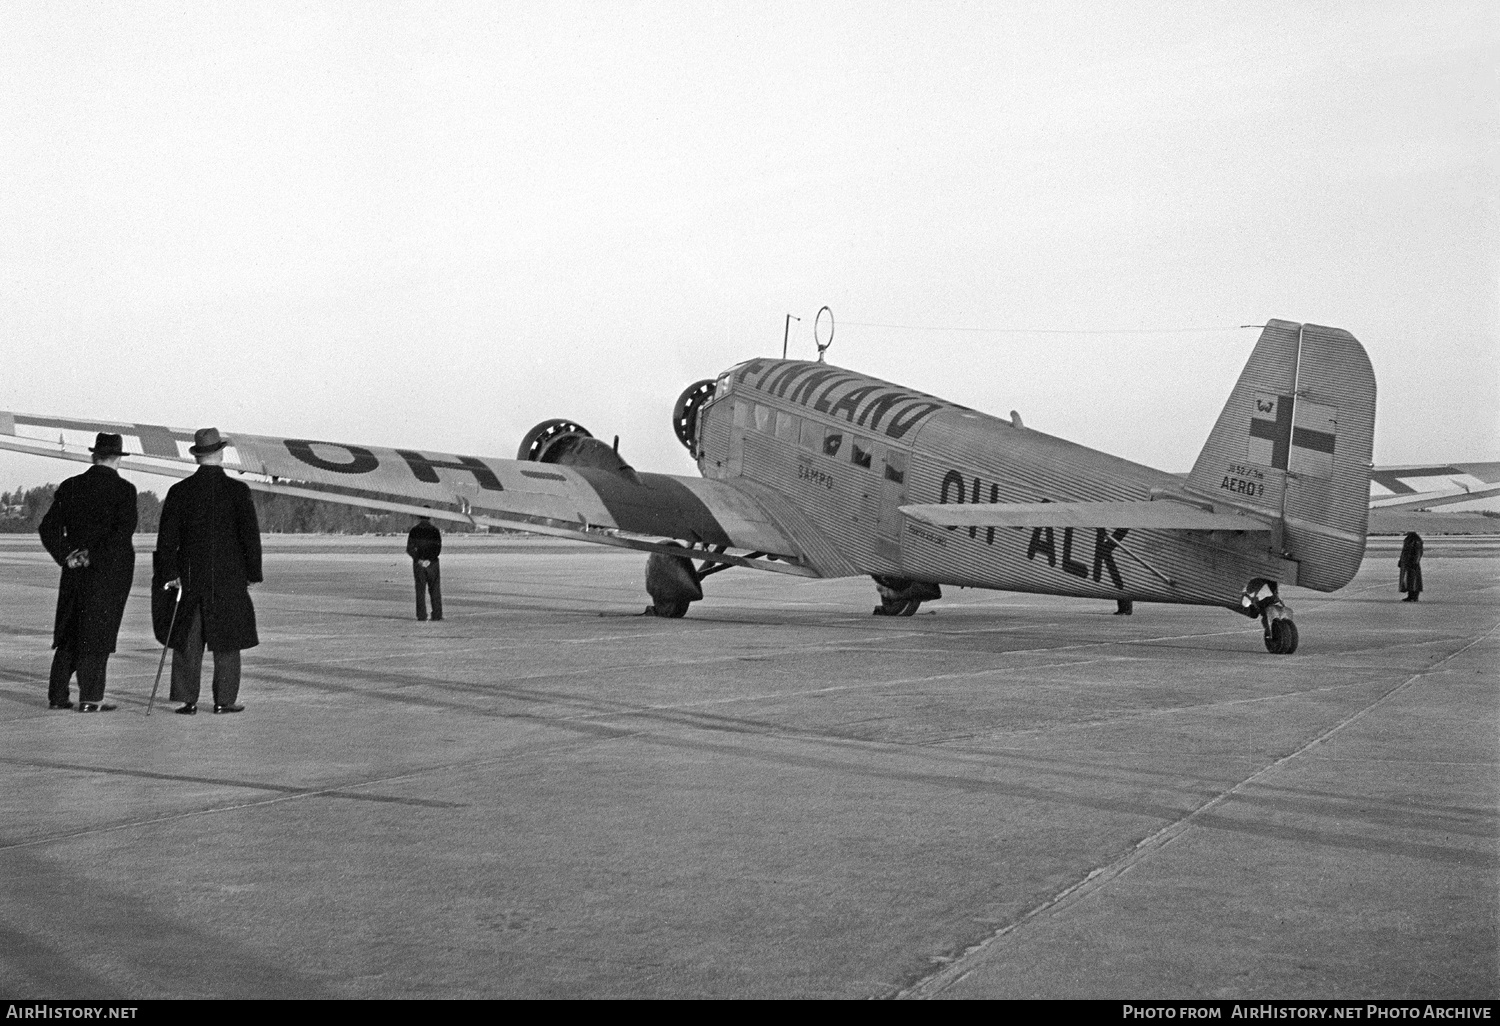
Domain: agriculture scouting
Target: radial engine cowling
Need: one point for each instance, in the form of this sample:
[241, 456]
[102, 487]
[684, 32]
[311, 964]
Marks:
[685, 412]
[569, 444]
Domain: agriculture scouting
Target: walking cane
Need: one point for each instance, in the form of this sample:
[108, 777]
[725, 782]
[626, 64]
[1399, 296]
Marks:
[152, 700]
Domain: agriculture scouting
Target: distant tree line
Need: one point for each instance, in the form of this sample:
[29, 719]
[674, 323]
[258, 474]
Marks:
[23, 509]
[286, 514]
[21, 512]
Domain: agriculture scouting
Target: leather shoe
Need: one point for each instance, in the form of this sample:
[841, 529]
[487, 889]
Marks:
[65, 704]
[186, 710]
[228, 708]
[96, 707]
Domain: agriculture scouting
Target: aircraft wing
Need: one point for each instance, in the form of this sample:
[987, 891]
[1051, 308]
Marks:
[649, 512]
[1400, 498]
[1152, 515]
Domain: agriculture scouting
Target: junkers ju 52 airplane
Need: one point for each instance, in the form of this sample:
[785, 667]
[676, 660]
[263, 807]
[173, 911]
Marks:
[812, 470]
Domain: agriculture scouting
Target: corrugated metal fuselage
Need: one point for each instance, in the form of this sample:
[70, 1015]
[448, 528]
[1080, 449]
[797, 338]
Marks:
[846, 451]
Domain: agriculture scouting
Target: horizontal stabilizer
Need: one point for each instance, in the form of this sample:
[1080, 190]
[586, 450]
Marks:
[1426, 500]
[1162, 515]
[1400, 521]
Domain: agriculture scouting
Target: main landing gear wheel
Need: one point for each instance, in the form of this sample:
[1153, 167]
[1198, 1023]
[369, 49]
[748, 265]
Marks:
[673, 584]
[900, 596]
[897, 607]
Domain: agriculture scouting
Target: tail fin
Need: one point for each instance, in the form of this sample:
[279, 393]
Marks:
[1294, 442]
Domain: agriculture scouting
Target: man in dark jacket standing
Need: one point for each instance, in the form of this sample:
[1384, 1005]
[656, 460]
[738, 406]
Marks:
[88, 531]
[1410, 564]
[423, 545]
[209, 546]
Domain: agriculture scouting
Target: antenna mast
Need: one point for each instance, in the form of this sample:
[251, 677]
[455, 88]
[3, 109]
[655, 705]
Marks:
[823, 346]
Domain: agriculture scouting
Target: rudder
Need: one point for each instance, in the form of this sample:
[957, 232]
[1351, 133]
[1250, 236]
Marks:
[1293, 443]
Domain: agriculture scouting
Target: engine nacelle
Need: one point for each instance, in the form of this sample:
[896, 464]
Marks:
[685, 413]
[550, 440]
[569, 444]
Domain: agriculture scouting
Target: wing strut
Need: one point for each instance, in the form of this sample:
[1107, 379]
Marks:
[1161, 576]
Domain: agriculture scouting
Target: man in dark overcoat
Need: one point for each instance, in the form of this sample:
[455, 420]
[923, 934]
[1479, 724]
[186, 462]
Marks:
[88, 531]
[208, 544]
[1410, 564]
[424, 544]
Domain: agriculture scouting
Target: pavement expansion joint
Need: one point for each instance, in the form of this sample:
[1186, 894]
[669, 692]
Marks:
[1102, 876]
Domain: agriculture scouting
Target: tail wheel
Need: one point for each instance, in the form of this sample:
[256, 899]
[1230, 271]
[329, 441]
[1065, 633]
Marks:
[1289, 637]
[1281, 639]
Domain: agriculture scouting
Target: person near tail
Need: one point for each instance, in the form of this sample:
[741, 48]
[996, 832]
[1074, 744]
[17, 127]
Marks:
[424, 544]
[209, 546]
[88, 532]
[1410, 564]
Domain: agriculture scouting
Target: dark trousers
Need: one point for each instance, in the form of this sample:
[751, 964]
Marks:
[428, 579]
[187, 666]
[1411, 581]
[90, 668]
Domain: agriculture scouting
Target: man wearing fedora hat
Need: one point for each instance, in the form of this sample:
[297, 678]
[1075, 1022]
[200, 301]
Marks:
[88, 531]
[208, 545]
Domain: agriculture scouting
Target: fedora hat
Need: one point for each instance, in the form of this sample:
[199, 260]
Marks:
[207, 440]
[106, 444]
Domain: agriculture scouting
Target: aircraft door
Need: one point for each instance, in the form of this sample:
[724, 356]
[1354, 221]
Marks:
[892, 496]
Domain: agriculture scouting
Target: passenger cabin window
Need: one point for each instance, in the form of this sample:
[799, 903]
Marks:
[812, 435]
[741, 414]
[860, 453]
[763, 416]
[832, 442]
[895, 467]
[787, 426]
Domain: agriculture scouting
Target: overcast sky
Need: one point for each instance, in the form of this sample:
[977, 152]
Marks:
[434, 225]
